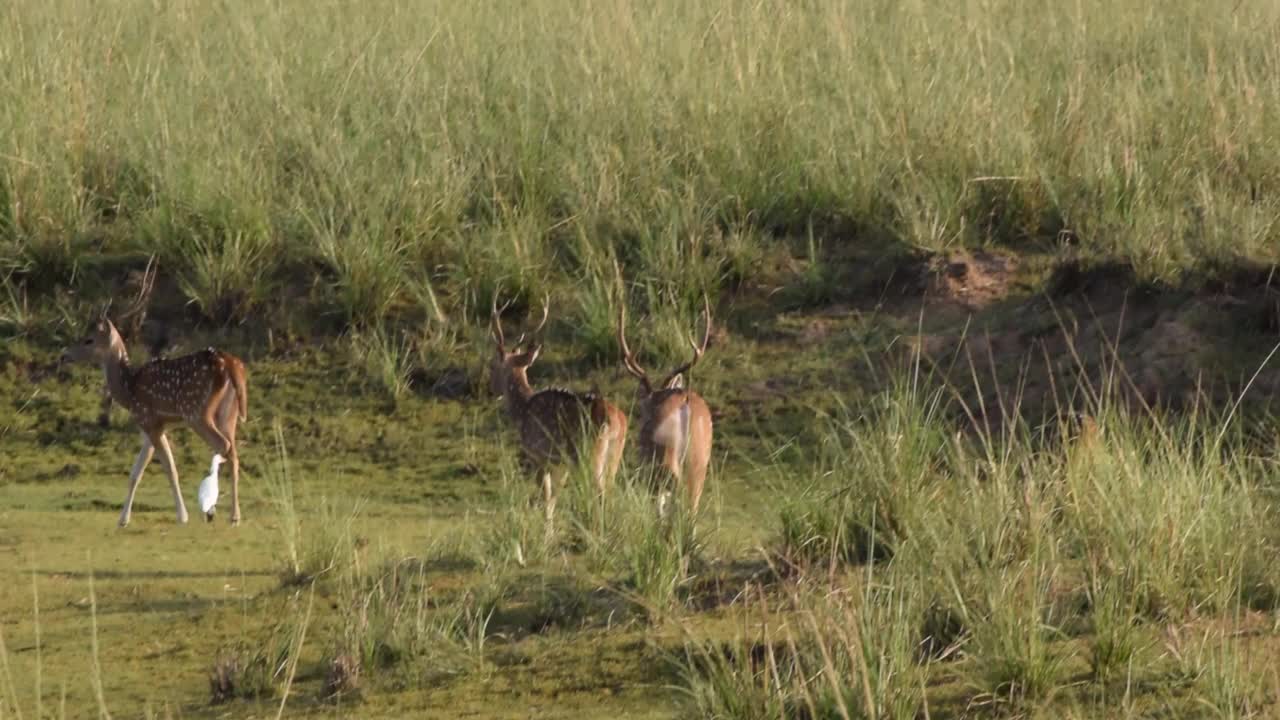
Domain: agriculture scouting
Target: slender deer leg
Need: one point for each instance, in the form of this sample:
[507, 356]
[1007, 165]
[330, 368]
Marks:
[104, 414]
[208, 424]
[208, 429]
[235, 486]
[670, 474]
[696, 478]
[140, 464]
[548, 498]
[615, 452]
[218, 428]
[166, 456]
[227, 418]
[600, 460]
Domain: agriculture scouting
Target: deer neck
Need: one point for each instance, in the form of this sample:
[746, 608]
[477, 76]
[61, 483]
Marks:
[518, 394]
[116, 367]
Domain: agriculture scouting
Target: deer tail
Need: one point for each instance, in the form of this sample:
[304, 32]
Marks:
[236, 371]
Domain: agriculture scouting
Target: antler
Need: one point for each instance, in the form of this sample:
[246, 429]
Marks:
[628, 360]
[546, 312]
[495, 314]
[698, 350]
[495, 320]
[145, 287]
[135, 314]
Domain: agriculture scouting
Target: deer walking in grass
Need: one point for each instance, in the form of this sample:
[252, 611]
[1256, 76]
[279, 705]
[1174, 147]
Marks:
[554, 423]
[204, 390]
[675, 422]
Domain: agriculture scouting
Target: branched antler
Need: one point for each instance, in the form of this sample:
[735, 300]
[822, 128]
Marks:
[698, 349]
[629, 360]
[495, 317]
[135, 314]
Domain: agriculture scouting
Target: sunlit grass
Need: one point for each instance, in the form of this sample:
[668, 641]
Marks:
[380, 144]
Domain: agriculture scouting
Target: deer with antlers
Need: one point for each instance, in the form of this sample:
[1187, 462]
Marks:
[554, 423]
[129, 322]
[204, 390]
[675, 422]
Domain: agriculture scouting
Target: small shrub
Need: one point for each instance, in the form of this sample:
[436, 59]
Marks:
[942, 632]
[828, 657]
[342, 676]
[1015, 650]
[254, 669]
[1213, 667]
[394, 624]
[1118, 638]
[658, 554]
[622, 534]
[223, 255]
[245, 673]
[315, 541]
[875, 481]
[1159, 510]
[387, 361]
[987, 549]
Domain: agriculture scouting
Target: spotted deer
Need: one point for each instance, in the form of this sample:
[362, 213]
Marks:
[204, 390]
[675, 422]
[129, 321]
[553, 423]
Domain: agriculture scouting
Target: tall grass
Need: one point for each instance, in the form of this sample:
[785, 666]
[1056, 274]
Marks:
[1158, 508]
[877, 471]
[840, 657]
[316, 536]
[386, 144]
[1029, 552]
[393, 622]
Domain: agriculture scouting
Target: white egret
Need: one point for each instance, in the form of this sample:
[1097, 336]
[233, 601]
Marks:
[208, 493]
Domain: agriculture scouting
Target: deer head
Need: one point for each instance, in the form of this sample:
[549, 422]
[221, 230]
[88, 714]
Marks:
[511, 364]
[103, 341]
[674, 381]
[101, 344]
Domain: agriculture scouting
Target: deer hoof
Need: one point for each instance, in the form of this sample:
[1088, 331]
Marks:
[124, 522]
[208, 517]
[235, 520]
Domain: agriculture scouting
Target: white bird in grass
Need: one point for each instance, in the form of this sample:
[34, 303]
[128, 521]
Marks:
[208, 493]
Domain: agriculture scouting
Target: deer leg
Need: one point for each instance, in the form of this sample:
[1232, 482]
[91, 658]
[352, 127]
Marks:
[218, 442]
[548, 499]
[615, 454]
[670, 475]
[140, 464]
[235, 486]
[600, 461]
[227, 416]
[699, 461]
[208, 424]
[104, 414]
[166, 456]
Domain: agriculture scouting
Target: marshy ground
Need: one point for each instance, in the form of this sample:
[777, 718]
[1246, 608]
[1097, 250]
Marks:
[386, 529]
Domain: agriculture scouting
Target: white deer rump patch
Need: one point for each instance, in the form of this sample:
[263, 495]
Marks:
[673, 431]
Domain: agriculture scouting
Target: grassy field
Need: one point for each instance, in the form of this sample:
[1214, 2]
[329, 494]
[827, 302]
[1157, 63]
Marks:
[991, 372]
